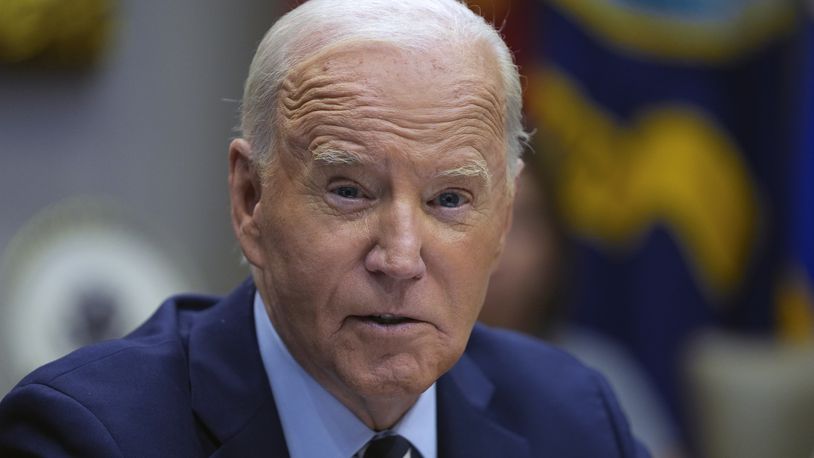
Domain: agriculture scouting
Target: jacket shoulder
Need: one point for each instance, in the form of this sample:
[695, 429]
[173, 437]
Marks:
[157, 342]
[139, 381]
[512, 357]
[548, 396]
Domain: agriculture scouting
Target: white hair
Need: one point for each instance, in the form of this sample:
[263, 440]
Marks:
[410, 24]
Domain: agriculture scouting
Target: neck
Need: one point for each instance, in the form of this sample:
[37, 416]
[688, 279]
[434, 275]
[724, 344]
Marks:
[377, 414]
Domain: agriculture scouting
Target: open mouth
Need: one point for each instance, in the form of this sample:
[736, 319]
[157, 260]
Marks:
[388, 319]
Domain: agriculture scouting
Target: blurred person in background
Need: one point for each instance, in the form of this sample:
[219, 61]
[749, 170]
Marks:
[527, 294]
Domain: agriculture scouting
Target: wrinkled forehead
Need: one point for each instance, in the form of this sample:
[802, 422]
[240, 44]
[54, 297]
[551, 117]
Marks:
[472, 66]
[441, 90]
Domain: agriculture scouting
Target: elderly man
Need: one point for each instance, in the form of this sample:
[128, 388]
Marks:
[371, 193]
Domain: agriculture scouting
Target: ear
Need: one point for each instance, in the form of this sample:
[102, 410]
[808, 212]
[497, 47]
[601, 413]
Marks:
[245, 188]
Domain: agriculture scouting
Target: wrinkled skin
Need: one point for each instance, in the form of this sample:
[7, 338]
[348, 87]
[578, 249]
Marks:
[387, 194]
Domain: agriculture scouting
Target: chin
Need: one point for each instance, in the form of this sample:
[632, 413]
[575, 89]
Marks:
[393, 376]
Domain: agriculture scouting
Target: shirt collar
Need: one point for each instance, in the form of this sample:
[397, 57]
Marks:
[316, 424]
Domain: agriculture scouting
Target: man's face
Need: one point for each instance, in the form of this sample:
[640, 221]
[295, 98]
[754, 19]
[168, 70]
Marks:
[382, 213]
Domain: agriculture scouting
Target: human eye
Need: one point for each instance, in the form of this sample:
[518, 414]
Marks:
[347, 191]
[450, 199]
[347, 196]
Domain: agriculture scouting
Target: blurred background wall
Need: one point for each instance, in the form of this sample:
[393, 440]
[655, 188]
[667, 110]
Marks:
[124, 127]
[666, 235]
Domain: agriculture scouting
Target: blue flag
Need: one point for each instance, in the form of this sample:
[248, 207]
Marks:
[668, 127]
[796, 290]
[805, 200]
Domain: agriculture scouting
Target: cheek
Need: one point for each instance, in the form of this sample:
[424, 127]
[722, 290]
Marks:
[311, 255]
[463, 266]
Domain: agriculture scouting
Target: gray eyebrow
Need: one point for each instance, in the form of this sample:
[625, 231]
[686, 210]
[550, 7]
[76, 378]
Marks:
[333, 156]
[474, 168]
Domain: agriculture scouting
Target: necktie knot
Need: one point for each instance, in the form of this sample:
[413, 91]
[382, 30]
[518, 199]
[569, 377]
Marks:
[393, 446]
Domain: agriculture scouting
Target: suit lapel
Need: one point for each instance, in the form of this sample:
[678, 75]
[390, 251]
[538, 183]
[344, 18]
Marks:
[465, 428]
[230, 391]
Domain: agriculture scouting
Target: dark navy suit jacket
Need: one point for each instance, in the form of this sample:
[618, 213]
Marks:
[190, 382]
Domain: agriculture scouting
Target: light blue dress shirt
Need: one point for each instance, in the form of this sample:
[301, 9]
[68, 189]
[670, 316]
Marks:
[316, 424]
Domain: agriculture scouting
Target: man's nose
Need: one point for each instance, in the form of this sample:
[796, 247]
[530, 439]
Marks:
[397, 248]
